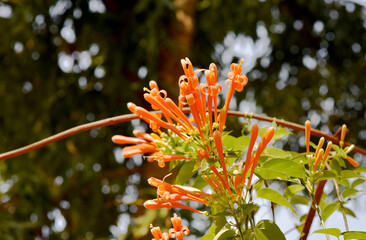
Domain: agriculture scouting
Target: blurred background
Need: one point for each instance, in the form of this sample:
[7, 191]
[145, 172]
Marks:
[65, 63]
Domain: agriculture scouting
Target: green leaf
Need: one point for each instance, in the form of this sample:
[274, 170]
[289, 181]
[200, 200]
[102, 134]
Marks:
[361, 169]
[291, 190]
[290, 168]
[220, 222]
[241, 143]
[329, 210]
[345, 174]
[330, 231]
[225, 233]
[207, 163]
[274, 196]
[185, 173]
[199, 182]
[277, 153]
[358, 182]
[327, 174]
[270, 230]
[280, 132]
[297, 199]
[349, 211]
[247, 209]
[349, 192]
[267, 173]
[229, 141]
[211, 233]
[354, 235]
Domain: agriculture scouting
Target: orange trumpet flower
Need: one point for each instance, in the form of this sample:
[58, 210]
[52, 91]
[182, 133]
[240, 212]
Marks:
[220, 151]
[156, 232]
[307, 135]
[157, 204]
[162, 159]
[268, 135]
[178, 231]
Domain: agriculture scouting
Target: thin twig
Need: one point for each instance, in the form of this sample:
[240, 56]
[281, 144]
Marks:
[341, 203]
[130, 117]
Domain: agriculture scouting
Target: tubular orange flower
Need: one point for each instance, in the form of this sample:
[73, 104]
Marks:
[192, 193]
[238, 81]
[211, 183]
[178, 112]
[222, 119]
[162, 159]
[268, 135]
[307, 135]
[327, 150]
[352, 161]
[203, 154]
[213, 88]
[253, 138]
[320, 145]
[178, 231]
[220, 151]
[129, 151]
[143, 135]
[147, 115]
[119, 139]
[343, 133]
[318, 158]
[156, 232]
[190, 95]
[156, 204]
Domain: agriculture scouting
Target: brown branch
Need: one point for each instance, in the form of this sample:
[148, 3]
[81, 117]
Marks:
[68, 133]
[298, 127]
[130, 117]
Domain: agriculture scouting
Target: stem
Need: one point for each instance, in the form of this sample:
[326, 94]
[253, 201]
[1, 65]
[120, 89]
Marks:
[341, 204]
[272, 207]
[130, 117]
[238, 226]
[317, 208]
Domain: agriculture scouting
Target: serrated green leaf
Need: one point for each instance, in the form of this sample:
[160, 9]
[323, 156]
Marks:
[345, 174]
[349, 192]
[277, 153]
[185, 173]
[297, 199]
[329, 210]
[291, 190]
[357, 182]
[330, 231]
[270, 230]
[267, 173]
[275, 197]
[354, 235]
[288, 167]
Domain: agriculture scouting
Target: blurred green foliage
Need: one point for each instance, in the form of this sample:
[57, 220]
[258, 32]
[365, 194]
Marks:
[64, 63]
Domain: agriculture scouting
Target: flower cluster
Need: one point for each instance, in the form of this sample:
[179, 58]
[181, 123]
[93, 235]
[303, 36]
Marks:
[204, 135]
